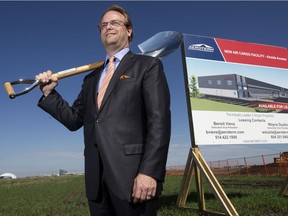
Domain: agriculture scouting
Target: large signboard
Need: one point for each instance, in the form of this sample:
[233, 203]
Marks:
[238, 91]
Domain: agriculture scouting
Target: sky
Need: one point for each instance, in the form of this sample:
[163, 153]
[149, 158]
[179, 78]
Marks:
[37, 36]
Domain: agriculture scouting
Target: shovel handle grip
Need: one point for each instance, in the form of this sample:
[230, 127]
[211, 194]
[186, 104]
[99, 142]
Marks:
[60, 75]
[9, 88]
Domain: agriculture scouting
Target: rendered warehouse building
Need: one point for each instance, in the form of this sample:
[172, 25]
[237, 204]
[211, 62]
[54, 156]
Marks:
[237, 86]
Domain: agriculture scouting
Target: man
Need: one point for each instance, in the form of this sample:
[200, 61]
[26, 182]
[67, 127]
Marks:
[126, 130]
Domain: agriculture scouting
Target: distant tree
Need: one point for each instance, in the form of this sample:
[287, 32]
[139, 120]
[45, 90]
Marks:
[62, 172]
[194, 92]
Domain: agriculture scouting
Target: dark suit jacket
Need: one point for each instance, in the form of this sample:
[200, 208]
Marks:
[130, 132]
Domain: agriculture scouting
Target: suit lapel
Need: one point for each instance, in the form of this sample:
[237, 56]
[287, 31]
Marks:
[122, 67]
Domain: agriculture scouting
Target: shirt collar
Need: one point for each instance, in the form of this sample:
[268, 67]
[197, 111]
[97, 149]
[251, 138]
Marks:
[119, 55]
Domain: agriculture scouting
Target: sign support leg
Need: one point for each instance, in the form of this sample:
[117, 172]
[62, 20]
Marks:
[196, 163]
[284, 189]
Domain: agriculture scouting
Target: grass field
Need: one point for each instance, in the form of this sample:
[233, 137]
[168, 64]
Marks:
[63, 196]
[209, 105]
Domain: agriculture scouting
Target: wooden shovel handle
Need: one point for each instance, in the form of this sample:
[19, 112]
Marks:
[60, 75]
[78, 70]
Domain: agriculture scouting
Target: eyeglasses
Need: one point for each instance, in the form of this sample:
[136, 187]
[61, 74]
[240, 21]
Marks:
[113, 23]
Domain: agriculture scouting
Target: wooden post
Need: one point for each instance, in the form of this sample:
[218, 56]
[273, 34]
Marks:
[246, 166]
[284, 189]
[266, 172]
[186, 181]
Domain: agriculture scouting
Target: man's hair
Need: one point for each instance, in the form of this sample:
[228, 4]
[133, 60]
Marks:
[128, 22]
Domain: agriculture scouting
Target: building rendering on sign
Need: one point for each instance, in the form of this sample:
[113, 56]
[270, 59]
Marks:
[237, 86]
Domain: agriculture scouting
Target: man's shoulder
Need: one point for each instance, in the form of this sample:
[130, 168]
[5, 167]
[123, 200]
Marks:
[144, 58]
[94, 73]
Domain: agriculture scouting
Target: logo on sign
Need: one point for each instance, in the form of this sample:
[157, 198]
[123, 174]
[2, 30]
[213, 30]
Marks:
[201, 47]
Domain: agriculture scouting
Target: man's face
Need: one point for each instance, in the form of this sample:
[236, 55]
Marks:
[114, 33]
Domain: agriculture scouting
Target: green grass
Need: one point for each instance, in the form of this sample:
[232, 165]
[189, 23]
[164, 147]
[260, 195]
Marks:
[209, 105]
[43, 196]
[63, 196]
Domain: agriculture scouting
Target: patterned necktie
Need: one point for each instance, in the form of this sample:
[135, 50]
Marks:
[106, 81]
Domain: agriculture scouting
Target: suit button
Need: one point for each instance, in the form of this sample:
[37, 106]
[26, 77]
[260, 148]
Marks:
[98, 120]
